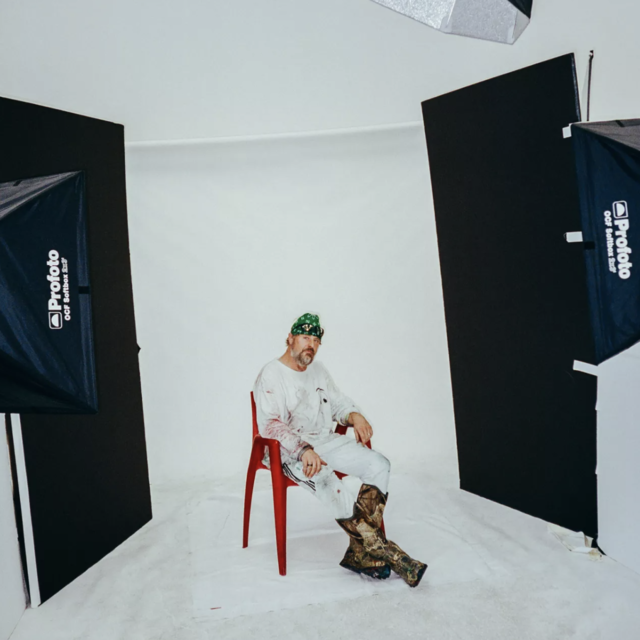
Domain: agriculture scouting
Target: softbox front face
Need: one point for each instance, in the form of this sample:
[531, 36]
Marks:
[607, 156]
[46, 337]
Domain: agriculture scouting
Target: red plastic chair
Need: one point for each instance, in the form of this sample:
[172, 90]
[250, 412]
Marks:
[280, 483]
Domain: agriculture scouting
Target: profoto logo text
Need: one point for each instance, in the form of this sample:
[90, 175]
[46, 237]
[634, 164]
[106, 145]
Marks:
[59, 301]
[618, 250]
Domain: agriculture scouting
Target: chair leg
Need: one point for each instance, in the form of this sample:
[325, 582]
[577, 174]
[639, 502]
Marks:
[280, 511]
[254, 460]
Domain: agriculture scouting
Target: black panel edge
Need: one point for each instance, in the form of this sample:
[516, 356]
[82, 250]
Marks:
[16, 505]
[61, 111]
[576, 87]
[502, 75]
[524, 6]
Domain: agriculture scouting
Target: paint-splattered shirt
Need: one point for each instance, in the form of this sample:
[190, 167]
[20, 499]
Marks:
[299, 407]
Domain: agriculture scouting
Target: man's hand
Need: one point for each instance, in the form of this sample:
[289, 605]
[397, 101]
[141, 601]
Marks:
[311, 463]
[361, 427]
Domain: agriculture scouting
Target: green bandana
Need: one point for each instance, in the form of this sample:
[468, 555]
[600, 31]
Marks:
[308, 325]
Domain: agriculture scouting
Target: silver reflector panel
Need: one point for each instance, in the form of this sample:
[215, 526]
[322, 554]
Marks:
[496, 20]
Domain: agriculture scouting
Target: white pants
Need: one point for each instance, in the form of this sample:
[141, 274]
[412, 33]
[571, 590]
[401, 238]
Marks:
[346, 455]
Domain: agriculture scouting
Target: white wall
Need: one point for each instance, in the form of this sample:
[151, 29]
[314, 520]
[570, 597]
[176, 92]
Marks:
[231, 242]
[618, 451]
[203, 68]
[12, 596]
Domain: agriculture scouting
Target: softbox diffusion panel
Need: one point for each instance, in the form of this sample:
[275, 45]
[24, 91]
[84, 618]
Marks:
[607, 158]
[514, 290]
[46, 338]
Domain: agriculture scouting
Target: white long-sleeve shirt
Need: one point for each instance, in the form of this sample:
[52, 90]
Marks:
[299, 407]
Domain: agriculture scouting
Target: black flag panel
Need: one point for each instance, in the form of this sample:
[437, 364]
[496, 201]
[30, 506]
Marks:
[515, 295]
[607, 158]
[46, 339]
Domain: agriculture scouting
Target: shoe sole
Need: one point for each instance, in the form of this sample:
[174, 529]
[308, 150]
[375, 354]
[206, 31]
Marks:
[420, 574]
[372, 573]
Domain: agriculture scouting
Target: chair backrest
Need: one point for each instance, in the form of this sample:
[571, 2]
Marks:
[254, 416]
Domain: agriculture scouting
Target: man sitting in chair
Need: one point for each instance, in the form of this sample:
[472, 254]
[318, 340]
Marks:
[297, 403]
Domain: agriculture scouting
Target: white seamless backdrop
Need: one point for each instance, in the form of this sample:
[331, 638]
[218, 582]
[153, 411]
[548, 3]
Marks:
[230, 241]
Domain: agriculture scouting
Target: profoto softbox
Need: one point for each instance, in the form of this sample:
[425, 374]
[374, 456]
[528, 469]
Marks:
[607, 158]
[46, 338]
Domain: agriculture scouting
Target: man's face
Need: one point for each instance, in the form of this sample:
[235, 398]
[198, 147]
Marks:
[303, 348]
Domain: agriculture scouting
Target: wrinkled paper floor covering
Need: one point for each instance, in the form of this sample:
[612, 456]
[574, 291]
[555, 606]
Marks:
[235, 581]
[493, 573]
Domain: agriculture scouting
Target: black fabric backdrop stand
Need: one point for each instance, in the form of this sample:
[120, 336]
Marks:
[87, 474]
[515, 291]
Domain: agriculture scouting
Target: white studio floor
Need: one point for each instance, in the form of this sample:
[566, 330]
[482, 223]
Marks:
[493, 573]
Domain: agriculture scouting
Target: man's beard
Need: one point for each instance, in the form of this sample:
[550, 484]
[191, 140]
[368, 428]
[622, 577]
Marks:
[304, 358]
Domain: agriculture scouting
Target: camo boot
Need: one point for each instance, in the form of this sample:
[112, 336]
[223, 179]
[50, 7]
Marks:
[356, 558]
[361, 528]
